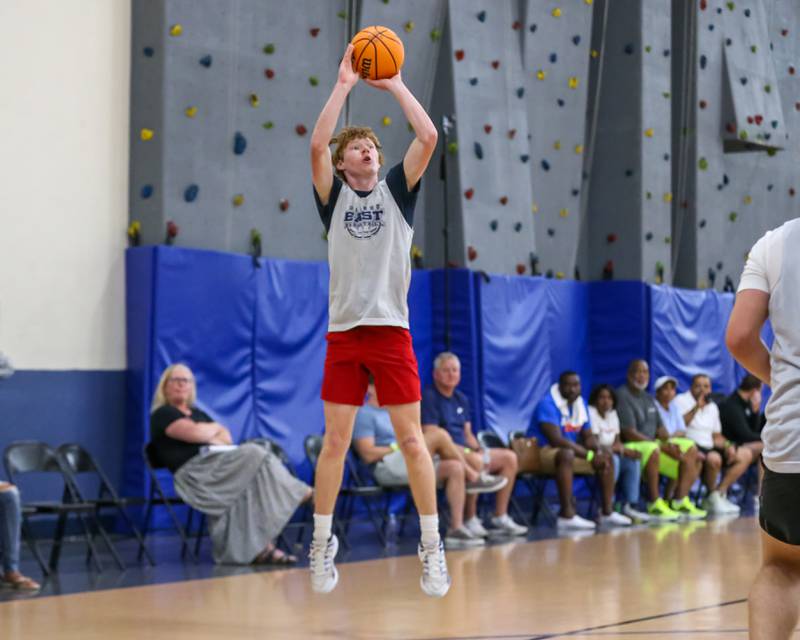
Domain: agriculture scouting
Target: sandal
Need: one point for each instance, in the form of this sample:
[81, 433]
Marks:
[18, 582]
[275, 557]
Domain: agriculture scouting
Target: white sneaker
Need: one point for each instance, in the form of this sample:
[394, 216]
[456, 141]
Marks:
[435, 580]
[635, 514]
[615, 519]
[460, 538]
[474, 526]
[719, 505]
[731, 507]
[504, 525]
[575, 522]
[324, 575]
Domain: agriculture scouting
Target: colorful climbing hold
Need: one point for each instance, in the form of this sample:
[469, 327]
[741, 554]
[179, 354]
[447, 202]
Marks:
[146, 134]
[206, 61]
[238, 200]
[172, 232]
[703, 61]
[408, 27]
[459, 54]
[469, 193]
[283, 204]
[481, 16]
[557, 145]
[269, 48]
[747, 200]
[545, 165]
[541, 74]
[452, 148]
[517, 227]
[478, 151]
[520, 268]
[579, 149]
[300, 130]
[254, 101]
[511, 133]
[175, 30]
[472, 253]
[386, 121]
[703, 164]
[573, 82]
[649, 132]
[732, 216]
[190, 111]
[556, 13]
[576, 40]
[504, 200]
[239, 143]
[269, 73]
[495, 64]
[314, 32]
[190, 193]
[147, 191]
[563, 213]
[473, 81]
[667, 197]
[611, 238]
[493, 225]
[149, 52]
[313, 81]
[520, 91]
[435, 35]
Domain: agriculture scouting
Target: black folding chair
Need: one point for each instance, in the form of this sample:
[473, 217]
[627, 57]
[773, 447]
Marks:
[157, 497]
[80, 462]
[490, 440]
[537, 485]
[37, 457]
[313, 447]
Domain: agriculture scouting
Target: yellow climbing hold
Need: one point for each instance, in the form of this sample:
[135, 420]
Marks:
[238, 200]
[541, 74]
[573, 82]
[191, 112]
[595, 53]
[556, 13]
[146, 134]
[408, 26]
[254, 100]
[557, 145]
[589, 2]
[559, 275]
[416, 252]
[748, 200]
[386, 121]
[563, 213]
[534, 208]
[175, 30]
[667, 197]
[579, 149]
[649, 132]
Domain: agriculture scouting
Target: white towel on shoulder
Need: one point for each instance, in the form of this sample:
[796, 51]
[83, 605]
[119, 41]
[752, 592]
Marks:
[578, 416]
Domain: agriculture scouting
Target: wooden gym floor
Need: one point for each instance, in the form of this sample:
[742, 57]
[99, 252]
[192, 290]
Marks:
[674, 581]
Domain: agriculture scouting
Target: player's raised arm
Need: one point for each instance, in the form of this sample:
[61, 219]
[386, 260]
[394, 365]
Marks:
[424, 144]
[321, 166]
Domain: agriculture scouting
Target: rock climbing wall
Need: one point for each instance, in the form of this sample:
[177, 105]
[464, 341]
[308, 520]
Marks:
[744, 131]
[628, 218]
[556, 56]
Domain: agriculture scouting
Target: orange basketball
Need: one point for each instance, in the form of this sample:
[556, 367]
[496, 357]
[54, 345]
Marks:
[377, 53]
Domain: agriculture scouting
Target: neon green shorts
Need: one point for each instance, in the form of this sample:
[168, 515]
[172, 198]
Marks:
[666, 466]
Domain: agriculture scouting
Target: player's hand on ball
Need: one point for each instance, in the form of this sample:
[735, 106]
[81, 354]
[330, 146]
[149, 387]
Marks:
[387, 83]
[347, 75]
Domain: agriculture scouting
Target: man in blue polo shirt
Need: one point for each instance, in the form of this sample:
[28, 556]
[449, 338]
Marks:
[445, 407]
[561, 426]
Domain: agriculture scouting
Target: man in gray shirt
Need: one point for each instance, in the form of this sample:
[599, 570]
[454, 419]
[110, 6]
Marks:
[770, 288]
[676, 458]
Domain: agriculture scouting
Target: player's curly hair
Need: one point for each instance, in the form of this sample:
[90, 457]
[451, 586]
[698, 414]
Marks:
[345, 137]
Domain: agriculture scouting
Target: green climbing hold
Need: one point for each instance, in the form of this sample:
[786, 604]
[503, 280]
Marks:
[768, 88]
[754, 48]
[342, 14]
[731, 5]
[313, 81]
[771, 151]
[452, 148]
[436, 35]
[268, 124]
[743, 135]
[703, 164]
[269, 48]
[732, 216]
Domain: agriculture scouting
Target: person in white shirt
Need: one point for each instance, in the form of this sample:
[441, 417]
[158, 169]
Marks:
[703, 425]
[627, 466]
[770, 288]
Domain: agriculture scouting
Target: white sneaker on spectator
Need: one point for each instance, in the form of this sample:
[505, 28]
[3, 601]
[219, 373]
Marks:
[504, 525]
[615, 519]
[475, 527]
[719, 505]
[435, 580]
[731, 507]
[486, 483]
[461, 537]
[324, 575]
[635, 514]
[575, 522]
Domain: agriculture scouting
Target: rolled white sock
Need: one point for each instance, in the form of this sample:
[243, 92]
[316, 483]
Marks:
[322, 527]
[429, 527]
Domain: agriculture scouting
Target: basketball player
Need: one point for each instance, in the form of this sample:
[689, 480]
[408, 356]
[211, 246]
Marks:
[369, 224]
[770, 287]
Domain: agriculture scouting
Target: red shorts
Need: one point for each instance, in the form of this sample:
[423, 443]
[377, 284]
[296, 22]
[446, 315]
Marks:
[385, 352]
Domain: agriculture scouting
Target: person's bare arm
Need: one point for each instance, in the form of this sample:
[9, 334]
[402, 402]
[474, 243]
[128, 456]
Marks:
[632, 435]
[321, 164]
[423, 145]
[743, 337]
[368, 451]
[469, 437]
[188, 430]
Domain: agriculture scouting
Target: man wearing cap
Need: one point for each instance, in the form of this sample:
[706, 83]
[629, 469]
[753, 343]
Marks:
[703, 426]
[643, 429]
[666, 390]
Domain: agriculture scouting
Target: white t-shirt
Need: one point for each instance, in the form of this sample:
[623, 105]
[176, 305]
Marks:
[773, 266]
[605, 429]
[705, 422]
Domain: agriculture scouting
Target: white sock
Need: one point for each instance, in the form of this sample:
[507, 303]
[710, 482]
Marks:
[429, 527]
[322, 527]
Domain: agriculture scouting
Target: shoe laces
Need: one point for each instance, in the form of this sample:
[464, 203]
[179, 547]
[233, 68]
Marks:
[320, 557]
[433, 562]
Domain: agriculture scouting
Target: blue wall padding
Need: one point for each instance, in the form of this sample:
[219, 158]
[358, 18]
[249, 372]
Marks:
[568, 328]
[515, 350]
[688, 336]
[618, 328]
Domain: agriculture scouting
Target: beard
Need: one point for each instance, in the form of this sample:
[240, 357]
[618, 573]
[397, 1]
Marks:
[638, 385]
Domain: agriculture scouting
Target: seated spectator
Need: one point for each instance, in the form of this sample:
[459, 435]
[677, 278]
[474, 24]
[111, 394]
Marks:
[741, 416]
[10, 523]
[627, 466]
[643, 430]
[666, 390]
[245, 491]
[445, 407]
[374, 442]
[703, 426]
[559, 420]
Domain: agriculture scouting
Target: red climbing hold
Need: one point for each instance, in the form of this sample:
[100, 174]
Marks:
[269, 73]
[611, 238]
[784, 32]
[749, 119]
[472, 253]
[703, 5]
[791, 191]
[283, 204]
[759, 119]
[520, 268]
[791, 70]
[314, 32]
[495, 64]
[517, 25]
[730, 127]
[469, 193]
[512, 133]
[503, 200]
[459, 54]
[703, 104]
[300, 130]
[487, 128]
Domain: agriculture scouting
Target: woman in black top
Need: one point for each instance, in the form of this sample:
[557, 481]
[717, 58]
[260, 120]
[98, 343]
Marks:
[245, 491]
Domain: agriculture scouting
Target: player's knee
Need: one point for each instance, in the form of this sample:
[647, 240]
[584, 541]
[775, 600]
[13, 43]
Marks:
[335, 445]
[412, 447]
[714, 460]
[565, 457]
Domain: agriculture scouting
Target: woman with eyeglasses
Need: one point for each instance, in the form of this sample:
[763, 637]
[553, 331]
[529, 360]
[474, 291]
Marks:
[246, 492]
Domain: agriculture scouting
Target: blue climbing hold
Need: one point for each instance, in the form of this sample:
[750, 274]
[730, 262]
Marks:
[520, 92]
[628, 173]
[206, 61]
[560, 102]
[711, 27]
[553, 57]
[518, 227]
[648, 236]
[702, 223]
[493, 225]
[551, 232]
[575, 192]
[576, 40]
[478, 151]
[747, 13]
[743, 81]
[533, 28]
[770, 187]
[147, 191]
[725, 179]
[149, 52]
[473, 81]
[629, 49]
[666, 53]
[482, 16]
[190, 195]
[524, 157]
[728, 42]
[666, 157]
[703, 61]
[239, 143]
[545, 165]
[774, 124]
